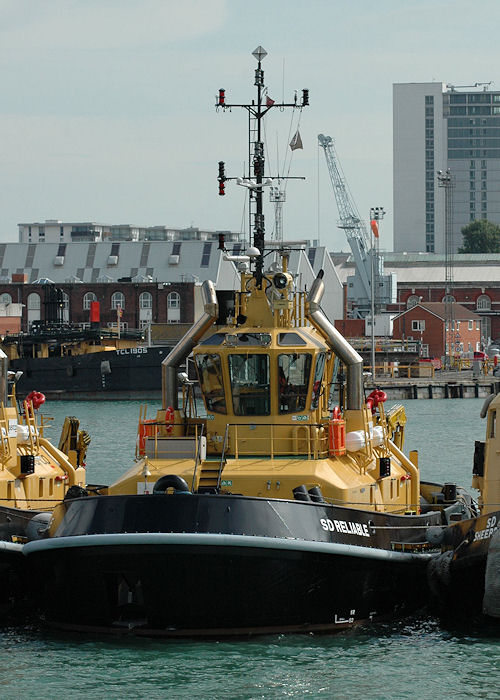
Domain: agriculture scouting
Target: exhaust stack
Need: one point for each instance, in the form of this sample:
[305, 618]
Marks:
[171, 364]
[352, 359]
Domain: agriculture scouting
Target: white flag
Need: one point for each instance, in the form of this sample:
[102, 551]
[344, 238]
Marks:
[296, 142]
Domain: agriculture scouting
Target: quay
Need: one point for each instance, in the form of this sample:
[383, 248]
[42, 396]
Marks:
[443, 385]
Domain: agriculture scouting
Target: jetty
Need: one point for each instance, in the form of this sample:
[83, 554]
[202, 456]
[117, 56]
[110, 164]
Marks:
[443, 385]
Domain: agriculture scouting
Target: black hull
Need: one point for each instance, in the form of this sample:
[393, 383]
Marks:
[128, 373]
[457, 577]
[215, 565]
[13, 582]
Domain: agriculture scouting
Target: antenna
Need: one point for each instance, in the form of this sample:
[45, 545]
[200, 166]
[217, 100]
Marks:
[255, 180]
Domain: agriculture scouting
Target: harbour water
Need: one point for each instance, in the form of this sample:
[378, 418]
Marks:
[413, 658]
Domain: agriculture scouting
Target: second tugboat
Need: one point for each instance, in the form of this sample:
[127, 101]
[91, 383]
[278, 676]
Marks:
[34, 476]
[465, 579]
[273, 513]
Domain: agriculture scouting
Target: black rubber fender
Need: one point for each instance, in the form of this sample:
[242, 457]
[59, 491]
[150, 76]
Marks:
[171, 481]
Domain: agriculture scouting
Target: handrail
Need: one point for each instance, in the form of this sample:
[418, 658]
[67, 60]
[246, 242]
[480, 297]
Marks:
[64, 463]
[280, 432]
[197, 456]
[222, 457]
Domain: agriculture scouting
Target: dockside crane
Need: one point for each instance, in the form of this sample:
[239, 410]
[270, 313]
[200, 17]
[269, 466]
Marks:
[359, 285]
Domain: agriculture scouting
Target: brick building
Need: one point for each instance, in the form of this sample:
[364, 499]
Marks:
[426, 322]
[421, 277]
[140, 302]
[484, 301]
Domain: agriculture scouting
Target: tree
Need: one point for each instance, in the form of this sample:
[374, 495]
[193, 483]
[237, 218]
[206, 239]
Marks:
[481, 237]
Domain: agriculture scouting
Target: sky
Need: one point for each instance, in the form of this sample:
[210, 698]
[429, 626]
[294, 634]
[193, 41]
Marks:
[107, 106]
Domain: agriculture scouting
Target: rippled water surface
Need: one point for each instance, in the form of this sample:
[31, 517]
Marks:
[413, 658]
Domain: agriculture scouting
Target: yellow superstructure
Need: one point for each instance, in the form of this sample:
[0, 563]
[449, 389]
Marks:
[267, 379]
[34, 474]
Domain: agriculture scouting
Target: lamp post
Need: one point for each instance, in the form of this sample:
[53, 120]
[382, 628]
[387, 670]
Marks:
[376, 215]
[445, 180]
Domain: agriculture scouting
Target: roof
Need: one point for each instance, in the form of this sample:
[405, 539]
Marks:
[418, 268]
[438, 308]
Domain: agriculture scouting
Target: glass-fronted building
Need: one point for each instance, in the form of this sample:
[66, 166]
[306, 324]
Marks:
[440, 127]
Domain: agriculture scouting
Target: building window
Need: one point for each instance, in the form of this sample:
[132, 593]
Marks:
[483, 303]
[412, 301]
[118, 300]
[418, 326]
[173, 307]
[471, 325]
[205, 257]
[34, 302]
[448, 299]
[87, 299]
[6, 298]
[174, 300]
[146, 300]
[65, 310]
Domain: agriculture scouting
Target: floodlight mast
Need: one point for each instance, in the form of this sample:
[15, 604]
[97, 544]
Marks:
[256, 161]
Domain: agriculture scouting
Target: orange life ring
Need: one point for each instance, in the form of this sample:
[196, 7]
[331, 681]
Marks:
[169, 419]
[336, 434]
[145, 430]
[36, 398]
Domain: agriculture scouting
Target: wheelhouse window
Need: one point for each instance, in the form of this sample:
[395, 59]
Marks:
[318, 376]
[250, 387]
[209, 370]
[293, 381]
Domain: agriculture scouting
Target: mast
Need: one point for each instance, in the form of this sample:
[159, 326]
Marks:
[255, 182]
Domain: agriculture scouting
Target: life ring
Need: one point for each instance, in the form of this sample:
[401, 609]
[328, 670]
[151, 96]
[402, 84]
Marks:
[377, 396]
[36, 398]
[336, 434]
[169, 419]
[145, 430]
[171, 481]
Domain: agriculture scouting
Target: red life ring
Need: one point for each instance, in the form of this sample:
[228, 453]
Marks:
[377, 396]
[336, 434]
[36, 398]
[169, 419]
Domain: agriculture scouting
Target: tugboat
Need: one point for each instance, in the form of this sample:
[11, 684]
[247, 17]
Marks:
[465, 579]
[289, 507]
[34, 476]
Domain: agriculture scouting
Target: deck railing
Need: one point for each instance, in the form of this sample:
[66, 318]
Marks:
[258, 439]
[277, 440]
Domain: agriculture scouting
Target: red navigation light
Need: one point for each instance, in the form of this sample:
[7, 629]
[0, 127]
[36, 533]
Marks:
[222, 97]
[222, 177]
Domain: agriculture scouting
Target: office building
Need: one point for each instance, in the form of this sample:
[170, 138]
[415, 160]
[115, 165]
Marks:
[436, 127]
